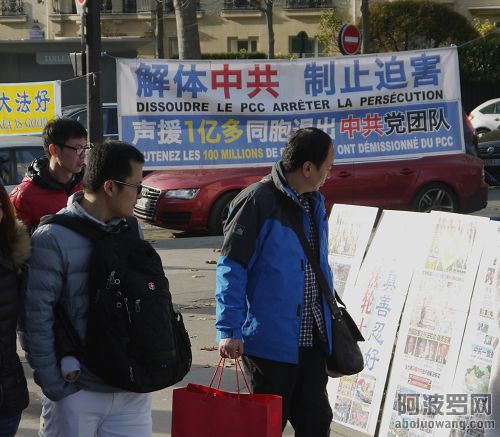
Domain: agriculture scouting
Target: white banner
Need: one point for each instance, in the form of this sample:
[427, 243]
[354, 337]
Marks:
[233, 113]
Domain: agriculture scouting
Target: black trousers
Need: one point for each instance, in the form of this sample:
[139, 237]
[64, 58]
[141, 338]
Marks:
[302, 387]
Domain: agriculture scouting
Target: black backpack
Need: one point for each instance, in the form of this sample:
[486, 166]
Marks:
[135, 340]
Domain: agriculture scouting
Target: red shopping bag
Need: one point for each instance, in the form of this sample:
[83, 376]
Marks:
[200, 411]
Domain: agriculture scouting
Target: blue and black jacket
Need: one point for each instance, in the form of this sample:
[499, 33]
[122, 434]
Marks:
[261, 272]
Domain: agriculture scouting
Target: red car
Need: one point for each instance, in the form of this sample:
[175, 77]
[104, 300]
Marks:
[199, 199]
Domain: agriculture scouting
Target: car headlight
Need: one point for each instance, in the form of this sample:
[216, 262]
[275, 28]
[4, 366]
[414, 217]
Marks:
[183, 193]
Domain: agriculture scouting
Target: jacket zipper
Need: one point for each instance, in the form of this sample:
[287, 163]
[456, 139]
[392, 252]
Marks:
[125, 301]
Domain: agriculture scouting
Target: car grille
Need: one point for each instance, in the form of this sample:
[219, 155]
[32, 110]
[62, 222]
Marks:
[145, 206]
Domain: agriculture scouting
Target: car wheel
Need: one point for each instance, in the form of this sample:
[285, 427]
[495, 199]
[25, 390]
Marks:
[436, 197]
[480, 131]
[219, 213]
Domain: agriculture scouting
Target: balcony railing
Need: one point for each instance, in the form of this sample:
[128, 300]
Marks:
[124, 7]
[241, 5]
[135, 6]
[168, 6]
[11, 7]
[307, 4]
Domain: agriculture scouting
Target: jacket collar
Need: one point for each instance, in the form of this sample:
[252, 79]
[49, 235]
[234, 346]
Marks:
[38, 172]
[279, 180]
[74, 208]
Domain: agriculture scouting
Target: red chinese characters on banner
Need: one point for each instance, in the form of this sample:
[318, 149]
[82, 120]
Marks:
[260, 79]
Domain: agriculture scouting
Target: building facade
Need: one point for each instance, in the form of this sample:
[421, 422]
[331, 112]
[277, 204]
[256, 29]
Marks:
[224, 25]
[36, 36]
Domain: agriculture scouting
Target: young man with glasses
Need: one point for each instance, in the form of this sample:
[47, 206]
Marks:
[51, 179]
[76, 402]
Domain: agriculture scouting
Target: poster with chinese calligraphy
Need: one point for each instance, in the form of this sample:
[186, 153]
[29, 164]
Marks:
[432, 326]
[25, 108]
[350, 227]
[474, 365]
[241, 112]
[375, 302]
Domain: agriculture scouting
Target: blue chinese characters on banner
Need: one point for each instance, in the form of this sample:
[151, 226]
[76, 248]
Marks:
[242, 113]
[358, 135]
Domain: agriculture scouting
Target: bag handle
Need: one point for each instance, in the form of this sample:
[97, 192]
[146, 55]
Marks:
[220, 366]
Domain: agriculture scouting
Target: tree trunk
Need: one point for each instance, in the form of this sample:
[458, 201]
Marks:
[188, 37]
[159, 34]
[270, 29]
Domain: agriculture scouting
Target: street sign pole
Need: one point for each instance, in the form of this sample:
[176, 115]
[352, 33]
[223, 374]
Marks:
[93, 40]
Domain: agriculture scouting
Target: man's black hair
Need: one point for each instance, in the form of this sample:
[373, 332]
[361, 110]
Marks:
[109, 160]
[307, 144]
[60, 130]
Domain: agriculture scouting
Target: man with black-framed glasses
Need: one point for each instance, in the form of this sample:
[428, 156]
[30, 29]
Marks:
[51, 179]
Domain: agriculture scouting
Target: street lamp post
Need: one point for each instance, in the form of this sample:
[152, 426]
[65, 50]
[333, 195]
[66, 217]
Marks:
[159, 53]
[93, 40]
[364, 29]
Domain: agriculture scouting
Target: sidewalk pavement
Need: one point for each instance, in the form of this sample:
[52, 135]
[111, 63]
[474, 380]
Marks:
[190, 267]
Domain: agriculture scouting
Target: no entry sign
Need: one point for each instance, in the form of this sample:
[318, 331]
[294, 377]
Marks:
[80, 4]
[349, 39]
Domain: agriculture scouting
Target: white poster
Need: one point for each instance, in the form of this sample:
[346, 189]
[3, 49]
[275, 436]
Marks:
[350, 227]
[375, 303]
[474, 365]
[432, 327]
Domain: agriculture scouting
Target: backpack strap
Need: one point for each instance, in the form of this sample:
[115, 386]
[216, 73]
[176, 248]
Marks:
[133, 225]
[87, 228]
[80, 226]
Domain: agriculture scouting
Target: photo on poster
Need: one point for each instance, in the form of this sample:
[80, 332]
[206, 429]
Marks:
[350, 227]
[365, 386]
[342, 409]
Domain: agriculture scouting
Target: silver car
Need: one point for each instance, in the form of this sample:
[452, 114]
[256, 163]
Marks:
[16, 153]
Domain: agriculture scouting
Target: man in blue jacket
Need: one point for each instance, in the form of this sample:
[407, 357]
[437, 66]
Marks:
[270, 309]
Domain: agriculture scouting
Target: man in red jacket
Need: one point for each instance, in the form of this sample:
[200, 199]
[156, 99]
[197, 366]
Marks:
[51, 179]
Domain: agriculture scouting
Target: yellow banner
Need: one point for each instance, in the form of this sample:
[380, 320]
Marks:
[25, 108]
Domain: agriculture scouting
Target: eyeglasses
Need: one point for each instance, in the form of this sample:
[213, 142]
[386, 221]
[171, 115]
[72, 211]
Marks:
[80, 151]
[138, 187]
